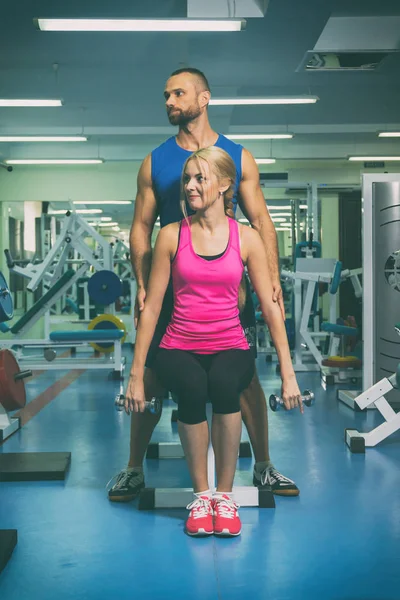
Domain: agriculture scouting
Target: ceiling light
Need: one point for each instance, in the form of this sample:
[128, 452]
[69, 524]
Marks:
[279, 207]
[283, 228]
[271, 100]
[220, 25]
[372, 158]
[41, 138]
[265, 161]
[28, 103]
[102, 201]
[303, 206]
[389, 134]
[110, 224]
[55, 161]
[91, 211]
[116, 228]
[105, 218]
[279, 219]
[281, 214]
[260, 136]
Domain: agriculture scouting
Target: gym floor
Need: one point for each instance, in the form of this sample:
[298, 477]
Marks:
[339, 540]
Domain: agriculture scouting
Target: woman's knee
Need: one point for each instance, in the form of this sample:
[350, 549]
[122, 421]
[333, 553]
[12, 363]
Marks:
[192, 409]
[224, 394]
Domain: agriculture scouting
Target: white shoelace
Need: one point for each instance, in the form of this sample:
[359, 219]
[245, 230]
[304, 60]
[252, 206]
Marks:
[273, 473]
[201, 507]
[226, 508]
[121, 478]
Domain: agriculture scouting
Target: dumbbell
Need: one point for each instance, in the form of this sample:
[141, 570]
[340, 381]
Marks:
[276, 403]
[153, 406]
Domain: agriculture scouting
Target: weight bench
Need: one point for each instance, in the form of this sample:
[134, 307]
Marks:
[342, 368]
[356, 441]
[116, 363]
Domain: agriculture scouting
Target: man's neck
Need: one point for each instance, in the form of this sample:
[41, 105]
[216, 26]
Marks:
[195, 135]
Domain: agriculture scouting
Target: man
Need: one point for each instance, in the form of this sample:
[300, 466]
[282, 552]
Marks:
[187, 95]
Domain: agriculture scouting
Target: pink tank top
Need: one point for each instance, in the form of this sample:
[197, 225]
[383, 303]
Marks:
[205, 319]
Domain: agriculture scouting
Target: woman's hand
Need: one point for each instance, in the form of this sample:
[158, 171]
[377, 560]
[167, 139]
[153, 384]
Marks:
[291, 395]
[134, 397]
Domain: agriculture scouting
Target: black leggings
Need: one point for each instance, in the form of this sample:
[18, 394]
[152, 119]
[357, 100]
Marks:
[199, 378]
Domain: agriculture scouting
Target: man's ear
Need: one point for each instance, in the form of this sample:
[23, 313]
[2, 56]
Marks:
[204, 98]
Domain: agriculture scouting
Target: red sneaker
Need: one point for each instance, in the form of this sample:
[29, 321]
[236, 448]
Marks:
[200, 519]
[226, 516]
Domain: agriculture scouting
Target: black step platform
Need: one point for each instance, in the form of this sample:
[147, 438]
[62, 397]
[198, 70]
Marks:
[34, 466]
[8, 541]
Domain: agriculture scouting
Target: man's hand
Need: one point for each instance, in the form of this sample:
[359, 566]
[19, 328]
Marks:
[277, 296]
[139, 304]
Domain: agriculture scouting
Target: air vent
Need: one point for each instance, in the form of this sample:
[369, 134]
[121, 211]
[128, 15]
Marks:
[342, 61]
[264, 177]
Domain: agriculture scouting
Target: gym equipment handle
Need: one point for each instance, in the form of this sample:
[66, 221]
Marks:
[275, 402]
[153, 406]
[23, 375]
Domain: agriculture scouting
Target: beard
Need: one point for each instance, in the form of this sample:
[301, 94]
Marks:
[183, 117]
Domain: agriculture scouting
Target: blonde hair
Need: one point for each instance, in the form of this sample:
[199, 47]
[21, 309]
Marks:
[223, 167]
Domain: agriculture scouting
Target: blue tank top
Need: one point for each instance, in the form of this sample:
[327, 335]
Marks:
[166, 169]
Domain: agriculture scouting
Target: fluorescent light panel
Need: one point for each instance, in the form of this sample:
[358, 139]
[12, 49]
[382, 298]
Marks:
[260, 136]
[271, 100]
[220, 25]
[54, 161]
[91, 211]
[283, 228]
[279, 207]
[389, 134]
[102, 202]
[110, 224]
[41, 138]
[372, 158]
[279, 219]
[12, 102]
[265, 161]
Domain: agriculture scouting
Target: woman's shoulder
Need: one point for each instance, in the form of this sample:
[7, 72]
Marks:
[169, 233]
[248, 234]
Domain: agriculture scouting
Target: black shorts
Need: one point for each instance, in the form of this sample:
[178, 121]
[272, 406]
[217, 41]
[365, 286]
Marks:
[247, 319]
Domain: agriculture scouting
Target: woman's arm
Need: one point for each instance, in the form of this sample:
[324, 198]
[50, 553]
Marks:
[165, 249]
[254, 256]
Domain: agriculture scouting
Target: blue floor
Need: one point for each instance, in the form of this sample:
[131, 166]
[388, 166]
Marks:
[339, 540]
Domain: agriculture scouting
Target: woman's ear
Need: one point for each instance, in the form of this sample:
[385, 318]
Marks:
[224, 186]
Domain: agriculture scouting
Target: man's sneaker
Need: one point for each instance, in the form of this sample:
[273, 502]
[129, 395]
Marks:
[280, 485]
[226, 516]
[127, 487]
[200, 519]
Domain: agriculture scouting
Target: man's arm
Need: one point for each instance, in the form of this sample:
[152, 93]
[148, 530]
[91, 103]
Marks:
[252, 203]
[141, 230]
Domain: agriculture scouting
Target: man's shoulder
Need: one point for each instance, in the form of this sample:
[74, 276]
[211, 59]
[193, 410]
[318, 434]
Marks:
[225, 142]
[164, 146]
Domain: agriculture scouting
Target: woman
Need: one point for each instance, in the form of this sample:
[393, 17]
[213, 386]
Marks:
[204, 354]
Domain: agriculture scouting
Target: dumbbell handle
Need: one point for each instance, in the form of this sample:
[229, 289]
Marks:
[275, 402]
[153, 406]
[306, 397]
[22, 375]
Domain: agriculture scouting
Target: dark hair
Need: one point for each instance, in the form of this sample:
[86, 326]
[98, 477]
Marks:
[198, 74]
